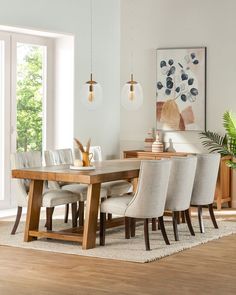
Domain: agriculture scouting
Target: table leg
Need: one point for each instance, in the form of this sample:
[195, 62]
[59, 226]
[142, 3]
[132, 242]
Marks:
[33, 210]
[91, 216]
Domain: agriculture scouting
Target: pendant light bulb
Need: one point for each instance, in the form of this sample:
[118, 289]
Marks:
[131, 89]
[91, 88]
[131, 93]
[91, 94]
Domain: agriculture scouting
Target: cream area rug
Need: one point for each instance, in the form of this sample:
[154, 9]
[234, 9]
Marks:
[117, 247]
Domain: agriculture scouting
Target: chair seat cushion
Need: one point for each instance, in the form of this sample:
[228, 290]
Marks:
[81, 190]
[58, 197]
[116, 205]
[119, 187]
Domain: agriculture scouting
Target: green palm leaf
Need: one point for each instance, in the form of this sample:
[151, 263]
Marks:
[232, 145]
[215, 142]
[230, 124]
[225, 145]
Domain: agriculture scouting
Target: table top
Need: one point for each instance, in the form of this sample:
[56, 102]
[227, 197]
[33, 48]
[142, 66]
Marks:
[105, 171]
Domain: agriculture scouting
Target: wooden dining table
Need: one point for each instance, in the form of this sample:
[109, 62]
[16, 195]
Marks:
[105, 171]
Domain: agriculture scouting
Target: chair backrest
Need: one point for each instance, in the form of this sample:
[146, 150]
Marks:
[205, 179]
[149, 200]
[97, 153]
[180, 187]
[24, 160]
[58, 157]
[95, 150]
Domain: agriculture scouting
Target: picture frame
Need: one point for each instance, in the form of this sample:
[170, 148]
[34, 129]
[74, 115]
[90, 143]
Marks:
[181, 89]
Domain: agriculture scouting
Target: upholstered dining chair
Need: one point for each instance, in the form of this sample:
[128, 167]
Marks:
[112, 188]
[51, 198]
[65, 156]
[148, 202]
[180, 190]
[205, 185]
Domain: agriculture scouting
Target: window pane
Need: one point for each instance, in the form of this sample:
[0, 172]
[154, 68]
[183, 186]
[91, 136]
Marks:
[29, 94]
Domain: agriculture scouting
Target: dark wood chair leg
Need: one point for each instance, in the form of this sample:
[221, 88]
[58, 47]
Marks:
[102, 228]
[17, 221]
[183, 216]
[74, 214]
[146, 234]
[80, 213]
[163, 230]
[132, 227]
[211, 211]
[154, 224]
[66, 213]
[200, 219]
[189, 223]
[175, 217]
[109, 215]
[178, 216]
[49, 213]
[127, 227]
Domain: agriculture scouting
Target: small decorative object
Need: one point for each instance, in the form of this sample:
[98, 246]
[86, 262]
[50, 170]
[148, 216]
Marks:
[157, 145]
[149, 141]
[86, 155]
[78, 163]
[181, 89]
[170, 148]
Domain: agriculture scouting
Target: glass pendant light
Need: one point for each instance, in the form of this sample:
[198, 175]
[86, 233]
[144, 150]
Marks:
[91, 92]
[132, 95]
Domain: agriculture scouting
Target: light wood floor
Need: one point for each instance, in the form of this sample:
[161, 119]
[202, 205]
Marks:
[205, 269]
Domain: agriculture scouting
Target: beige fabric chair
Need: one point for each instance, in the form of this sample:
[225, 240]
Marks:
[65, 156]
[148, 202]
[51, 198]
[180, 189]
[205, 184]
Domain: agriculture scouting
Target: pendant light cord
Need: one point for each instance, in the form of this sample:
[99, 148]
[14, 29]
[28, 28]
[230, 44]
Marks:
[91, 35]
[132, 61]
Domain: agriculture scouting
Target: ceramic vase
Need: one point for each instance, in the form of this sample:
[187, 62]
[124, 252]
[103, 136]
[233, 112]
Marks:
[157, 145]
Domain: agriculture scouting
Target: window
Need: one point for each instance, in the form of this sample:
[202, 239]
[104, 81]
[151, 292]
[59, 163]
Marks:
[24, 84]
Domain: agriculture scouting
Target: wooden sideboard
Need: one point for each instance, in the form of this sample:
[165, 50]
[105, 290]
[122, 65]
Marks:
[223, 186]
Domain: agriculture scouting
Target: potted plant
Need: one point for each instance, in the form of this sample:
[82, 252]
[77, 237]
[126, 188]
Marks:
[225, 145]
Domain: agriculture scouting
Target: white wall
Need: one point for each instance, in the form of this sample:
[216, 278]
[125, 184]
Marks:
[63, 77]
[150, 24]
[73, 17]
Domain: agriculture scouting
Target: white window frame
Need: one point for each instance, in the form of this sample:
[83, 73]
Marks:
[47, 81]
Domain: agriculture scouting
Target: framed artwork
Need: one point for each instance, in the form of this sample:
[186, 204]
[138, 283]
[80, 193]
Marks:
[181, 89]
